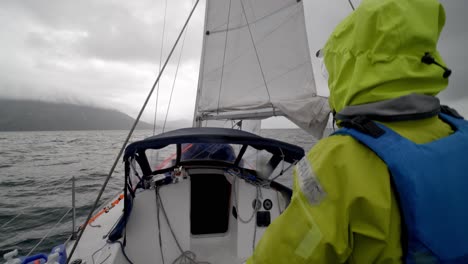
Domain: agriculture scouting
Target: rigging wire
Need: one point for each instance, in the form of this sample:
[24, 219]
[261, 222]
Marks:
[159, 69]
[80, 234]
[47, 234]
[175, 78]
[351, 4]
[224, 55]
[34, 205]
[217, 30]
[258, 58]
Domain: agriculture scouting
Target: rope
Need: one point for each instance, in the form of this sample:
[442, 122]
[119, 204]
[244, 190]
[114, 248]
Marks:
[47, 234]
[255, 224]
[95, 252]
[237, 202]
[130, 133]
[123, 252]
[254, 212]
[224, 56]
[278, 201]
[186, 257]
[159, 69]
[159, 225]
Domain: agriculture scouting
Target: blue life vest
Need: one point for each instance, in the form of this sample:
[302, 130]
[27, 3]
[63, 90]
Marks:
[431, 181]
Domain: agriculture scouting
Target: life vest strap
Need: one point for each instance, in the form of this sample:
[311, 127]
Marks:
[364, 125]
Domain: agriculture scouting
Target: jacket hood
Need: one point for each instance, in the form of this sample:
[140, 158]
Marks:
[375, 53]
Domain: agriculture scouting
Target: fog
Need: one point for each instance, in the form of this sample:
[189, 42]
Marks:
[107, 53]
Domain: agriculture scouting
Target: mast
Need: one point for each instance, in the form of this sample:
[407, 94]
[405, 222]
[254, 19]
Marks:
[196, 121]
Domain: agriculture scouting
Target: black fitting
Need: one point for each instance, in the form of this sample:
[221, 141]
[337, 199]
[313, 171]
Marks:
[364, 125]
[428, 59]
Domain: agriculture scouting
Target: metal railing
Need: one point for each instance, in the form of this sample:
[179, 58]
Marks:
[72, 209]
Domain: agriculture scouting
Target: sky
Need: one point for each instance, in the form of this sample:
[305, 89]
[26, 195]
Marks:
[107, 52]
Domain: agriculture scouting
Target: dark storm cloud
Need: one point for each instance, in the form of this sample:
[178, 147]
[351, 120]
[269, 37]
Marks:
[95, 52]
[109, 30]
[106, 52]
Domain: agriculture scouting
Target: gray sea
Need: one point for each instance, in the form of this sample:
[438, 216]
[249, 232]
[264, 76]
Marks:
[35, 180]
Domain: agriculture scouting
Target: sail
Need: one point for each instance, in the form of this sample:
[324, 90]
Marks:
[256, 64]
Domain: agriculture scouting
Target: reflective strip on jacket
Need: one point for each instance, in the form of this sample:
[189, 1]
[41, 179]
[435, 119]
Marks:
[343, 208]
[347, 211]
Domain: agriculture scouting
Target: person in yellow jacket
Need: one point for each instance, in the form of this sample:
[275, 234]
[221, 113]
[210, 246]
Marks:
[343, 208]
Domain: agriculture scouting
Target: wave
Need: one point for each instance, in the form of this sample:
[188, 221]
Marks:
[11, 183]
[57, 141]
[97, 174]
[58, 164]
[40, 159]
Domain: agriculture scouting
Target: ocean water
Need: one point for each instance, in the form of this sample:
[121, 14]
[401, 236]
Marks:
[35, 180]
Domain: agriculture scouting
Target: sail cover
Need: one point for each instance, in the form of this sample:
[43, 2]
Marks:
[256, 64]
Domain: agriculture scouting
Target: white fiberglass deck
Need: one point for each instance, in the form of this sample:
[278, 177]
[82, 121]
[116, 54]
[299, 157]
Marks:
[142, 233]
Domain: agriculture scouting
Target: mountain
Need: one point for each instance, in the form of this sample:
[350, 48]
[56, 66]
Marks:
[26, 115]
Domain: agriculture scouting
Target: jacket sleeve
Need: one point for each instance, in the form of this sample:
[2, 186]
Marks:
[342, 210]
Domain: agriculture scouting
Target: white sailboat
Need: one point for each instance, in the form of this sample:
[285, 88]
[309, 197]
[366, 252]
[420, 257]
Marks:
[209, 202]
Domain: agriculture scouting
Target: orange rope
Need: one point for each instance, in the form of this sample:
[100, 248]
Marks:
[106, 209]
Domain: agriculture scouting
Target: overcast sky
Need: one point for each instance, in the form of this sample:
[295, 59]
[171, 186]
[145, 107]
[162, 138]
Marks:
[106, 52]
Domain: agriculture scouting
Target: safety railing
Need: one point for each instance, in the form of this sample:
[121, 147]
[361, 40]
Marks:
[49, 193]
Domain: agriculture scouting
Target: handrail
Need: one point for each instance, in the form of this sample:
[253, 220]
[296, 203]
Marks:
[73, 235]
[72, 208]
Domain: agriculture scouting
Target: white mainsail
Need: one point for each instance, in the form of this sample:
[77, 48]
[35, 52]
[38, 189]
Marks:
[256, 64]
